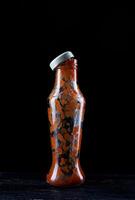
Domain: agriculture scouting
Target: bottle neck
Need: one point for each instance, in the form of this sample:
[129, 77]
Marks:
[66, 74]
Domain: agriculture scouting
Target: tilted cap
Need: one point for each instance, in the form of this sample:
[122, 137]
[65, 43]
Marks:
[60, 59]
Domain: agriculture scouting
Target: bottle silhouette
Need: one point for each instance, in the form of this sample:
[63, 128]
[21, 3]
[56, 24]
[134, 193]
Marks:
[65, 113]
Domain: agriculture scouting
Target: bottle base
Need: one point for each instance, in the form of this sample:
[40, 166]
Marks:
[73, 180]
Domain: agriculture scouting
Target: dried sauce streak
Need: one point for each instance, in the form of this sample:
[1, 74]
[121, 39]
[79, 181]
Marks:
[65, 118]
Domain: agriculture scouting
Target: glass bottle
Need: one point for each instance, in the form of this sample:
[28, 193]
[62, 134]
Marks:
[65, 113]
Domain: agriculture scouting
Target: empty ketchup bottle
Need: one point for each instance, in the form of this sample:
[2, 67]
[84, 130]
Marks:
[65, 113]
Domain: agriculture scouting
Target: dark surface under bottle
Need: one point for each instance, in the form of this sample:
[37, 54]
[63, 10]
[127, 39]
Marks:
[28, 186]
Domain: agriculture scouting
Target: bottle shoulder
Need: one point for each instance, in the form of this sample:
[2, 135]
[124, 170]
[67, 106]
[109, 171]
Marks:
[81, 95]
[68, 94]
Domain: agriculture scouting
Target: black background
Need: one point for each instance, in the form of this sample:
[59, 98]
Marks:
[102, 39]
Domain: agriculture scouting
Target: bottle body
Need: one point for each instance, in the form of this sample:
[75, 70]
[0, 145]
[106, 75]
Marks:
[66, 113]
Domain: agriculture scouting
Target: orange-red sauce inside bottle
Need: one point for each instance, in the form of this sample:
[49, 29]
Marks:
[65, 113]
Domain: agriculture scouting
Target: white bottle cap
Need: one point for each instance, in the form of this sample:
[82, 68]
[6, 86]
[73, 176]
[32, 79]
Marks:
[60, 59]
